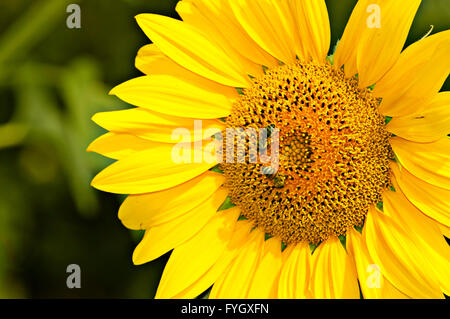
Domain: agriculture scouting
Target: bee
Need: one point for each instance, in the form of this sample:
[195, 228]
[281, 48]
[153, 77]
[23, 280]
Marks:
[263, 142]
[270, 129]
[269, 171]
[272, 174]
[279, 181]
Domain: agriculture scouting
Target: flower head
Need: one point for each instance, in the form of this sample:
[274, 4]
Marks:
[348, 190]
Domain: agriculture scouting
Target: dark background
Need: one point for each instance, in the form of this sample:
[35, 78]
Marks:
[52, 80]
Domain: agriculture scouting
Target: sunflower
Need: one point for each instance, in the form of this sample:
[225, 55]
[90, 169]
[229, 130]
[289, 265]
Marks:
[359, 203]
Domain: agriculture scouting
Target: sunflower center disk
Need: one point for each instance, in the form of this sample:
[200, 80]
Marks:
[333, 158]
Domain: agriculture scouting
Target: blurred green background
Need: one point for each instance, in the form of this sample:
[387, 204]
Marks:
[52, 80]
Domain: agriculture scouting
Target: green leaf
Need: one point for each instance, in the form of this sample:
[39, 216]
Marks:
[29, 29]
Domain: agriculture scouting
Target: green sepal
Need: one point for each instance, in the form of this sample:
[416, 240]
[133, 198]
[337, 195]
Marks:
[343, 240]
[387, 119]
[226, 204]
[380, 206]
[216, 169]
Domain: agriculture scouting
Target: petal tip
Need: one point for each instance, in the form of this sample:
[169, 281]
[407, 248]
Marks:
[137, 258]
[113, 91]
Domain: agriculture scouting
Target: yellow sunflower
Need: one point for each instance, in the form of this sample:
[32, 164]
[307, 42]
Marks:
[360, 200]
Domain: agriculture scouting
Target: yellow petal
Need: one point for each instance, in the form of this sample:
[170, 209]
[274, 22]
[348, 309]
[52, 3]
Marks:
[190, 13]
[295, 274]
[235, 282]
[191, 260]
[445, 231]
[151, 61]
[370, 49]
[265, 281]
[347, 47]
[187, 46]
[160, 239]
[148, 171]
[152, 209]
[391, 248]
[417, 76]
[156, 126]
[425, 234]
[222, 17]
[429, 162]
[427, 126]
[379, 48]
[118, 146]
[183, 95]
[333, 272]
[239, 238]
[313, 27]
[270, 24]
[148, 56]
[371, 279]
[431, 200]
